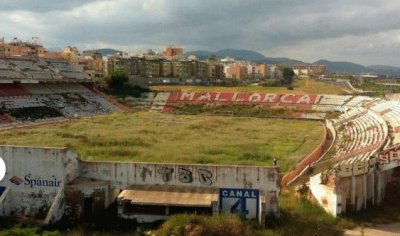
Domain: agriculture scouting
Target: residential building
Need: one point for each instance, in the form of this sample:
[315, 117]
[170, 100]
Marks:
[170, 52]
[263, 71]
[237, 71]
[215, 69]
[317, 69]
[23, 49]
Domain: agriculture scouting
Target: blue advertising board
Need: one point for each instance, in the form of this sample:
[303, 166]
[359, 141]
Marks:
[245, 202]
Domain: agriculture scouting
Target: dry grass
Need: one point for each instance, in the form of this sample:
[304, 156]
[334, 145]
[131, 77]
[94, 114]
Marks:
[301, 86]
[155, 137]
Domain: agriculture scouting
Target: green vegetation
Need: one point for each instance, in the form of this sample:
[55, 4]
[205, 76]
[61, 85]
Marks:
[299, 217]
[10, 226]
[155, 137]
[117, 85]
[378, 87]
[287, 74]
[300, 86]
[117, 79]
[222, 225]
[251, 110]
[126, 90]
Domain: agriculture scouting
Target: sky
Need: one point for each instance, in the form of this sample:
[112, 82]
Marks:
[360, 31]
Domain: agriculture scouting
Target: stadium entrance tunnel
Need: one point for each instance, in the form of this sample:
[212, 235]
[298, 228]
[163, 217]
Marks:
[50, 184]
[392, 192]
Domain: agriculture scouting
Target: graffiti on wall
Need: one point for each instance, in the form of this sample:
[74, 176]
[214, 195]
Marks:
[388, 156]
[356, 168]
[185, 175]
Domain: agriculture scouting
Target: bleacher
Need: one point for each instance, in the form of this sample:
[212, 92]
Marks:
[390, 111]
[25, 65]
[26, 103]
[4, 119]
[11, 90]
[360, 133]
[11, 75]
[393, 97]
[337, 100]
[143, 102]
[358, 101]
[16, 69]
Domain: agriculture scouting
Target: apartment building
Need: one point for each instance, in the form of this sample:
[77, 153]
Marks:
[24, 49]
[170, 52]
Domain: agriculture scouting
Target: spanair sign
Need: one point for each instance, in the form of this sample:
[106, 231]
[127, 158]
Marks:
[34, 182]
[2, 169]
[245, 202]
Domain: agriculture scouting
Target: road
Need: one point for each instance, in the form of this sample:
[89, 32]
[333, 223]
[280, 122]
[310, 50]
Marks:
[375, 230]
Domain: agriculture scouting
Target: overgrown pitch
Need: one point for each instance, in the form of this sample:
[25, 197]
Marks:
[155, 137]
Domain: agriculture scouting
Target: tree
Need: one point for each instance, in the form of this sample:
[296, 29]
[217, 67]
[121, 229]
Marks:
[117, 79]
[287, 75]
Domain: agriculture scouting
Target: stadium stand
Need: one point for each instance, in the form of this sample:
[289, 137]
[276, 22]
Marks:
[390, 111]
[39, 69]
[56, 101]
[393, 97]
[358, 101]
[11, 90]
[4, 119]
[143, 102]
[36, 90]
[361, 133]
[336, 100]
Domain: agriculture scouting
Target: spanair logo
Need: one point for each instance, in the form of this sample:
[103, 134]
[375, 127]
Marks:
[16, 180]
[2, 169]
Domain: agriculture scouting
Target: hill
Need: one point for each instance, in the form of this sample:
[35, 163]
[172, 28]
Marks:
[240, 54]
[385, 70]
[343, 67]
[105, 51]
[349, 67]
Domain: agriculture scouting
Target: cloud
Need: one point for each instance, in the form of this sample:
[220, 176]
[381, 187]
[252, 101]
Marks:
[360, 31]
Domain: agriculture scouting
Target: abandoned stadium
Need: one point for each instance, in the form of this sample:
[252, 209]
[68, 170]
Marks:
[50, 183]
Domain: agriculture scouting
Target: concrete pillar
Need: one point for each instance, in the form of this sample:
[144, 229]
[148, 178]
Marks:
[378, 188]
[373, 189]
[365, 190]
[353, 193]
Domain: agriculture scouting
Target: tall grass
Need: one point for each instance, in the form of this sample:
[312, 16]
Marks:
[300, 86]
[155, 137]
[221, 225]
[298, 217]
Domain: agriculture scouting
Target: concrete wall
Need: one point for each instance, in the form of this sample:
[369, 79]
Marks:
[354, 193]
[47, 183]
[34, 177]
[122, 175]
[81, 189]
[312, 158]
[325, 195]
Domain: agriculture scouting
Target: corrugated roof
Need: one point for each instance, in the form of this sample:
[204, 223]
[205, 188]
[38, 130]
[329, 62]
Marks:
[169, 195]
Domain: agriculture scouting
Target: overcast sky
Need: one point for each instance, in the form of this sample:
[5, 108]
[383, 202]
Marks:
[361, 31]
